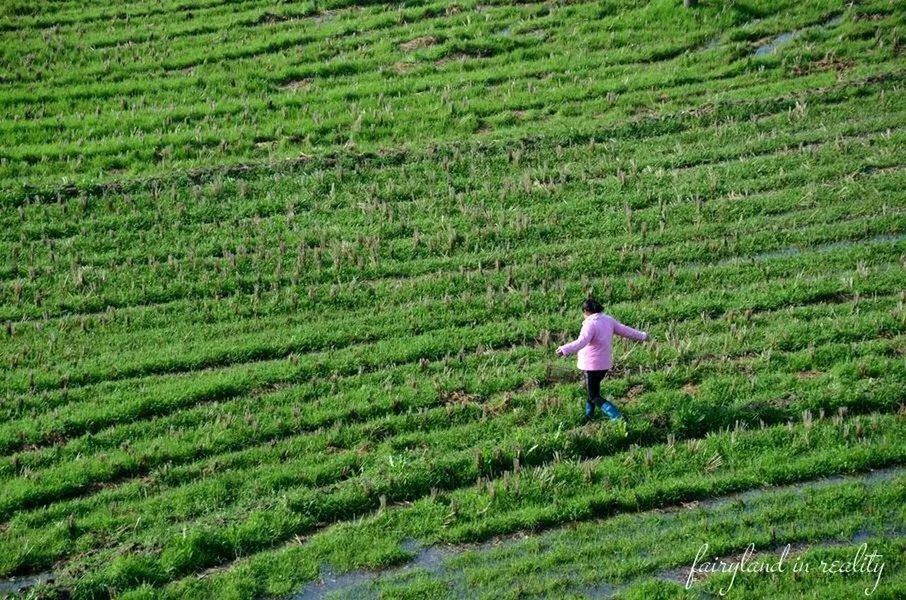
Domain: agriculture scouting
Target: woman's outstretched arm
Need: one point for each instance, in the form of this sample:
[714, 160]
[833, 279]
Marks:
[628, 332]
[582, 341]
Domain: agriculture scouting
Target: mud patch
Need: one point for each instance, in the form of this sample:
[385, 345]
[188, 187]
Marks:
[419, 42]
[804, 375]
[871, 170]
[529, 385]
[402, 68]
[299, 85]
[269, 17]
[558, 373]
[870, 16]
[634, 392]
[458, 397]
[825, 64]
[660, 420]
[454, 57]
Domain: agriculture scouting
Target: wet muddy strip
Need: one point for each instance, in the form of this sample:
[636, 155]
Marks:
[432, 560]
[15, 585]
[773, 44]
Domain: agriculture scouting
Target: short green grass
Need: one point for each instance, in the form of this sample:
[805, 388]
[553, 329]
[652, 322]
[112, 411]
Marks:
[632, 555]
[282, 284]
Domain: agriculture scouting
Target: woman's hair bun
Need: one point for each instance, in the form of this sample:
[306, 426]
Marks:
[592, 306]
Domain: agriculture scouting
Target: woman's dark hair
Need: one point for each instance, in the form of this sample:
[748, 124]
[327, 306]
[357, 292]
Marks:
[592, 306]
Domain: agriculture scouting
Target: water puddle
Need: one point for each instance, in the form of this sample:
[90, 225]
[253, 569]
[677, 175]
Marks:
[799, 488]
[328, 582]
[355, 584]
[783, 38]
[434, 560]
[794, 250]
[777, 41]
[15, 585]
[601, 590]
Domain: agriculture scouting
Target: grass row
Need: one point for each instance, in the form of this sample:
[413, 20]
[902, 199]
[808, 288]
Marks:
[680, 315]
[532, 497]
[871, 270]
[334, 126]
[668, 407]
[647, 554]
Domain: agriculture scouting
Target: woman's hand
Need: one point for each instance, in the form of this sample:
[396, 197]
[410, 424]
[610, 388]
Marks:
[560, 352]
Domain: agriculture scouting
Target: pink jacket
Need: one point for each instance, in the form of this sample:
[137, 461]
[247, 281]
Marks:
[594, 343]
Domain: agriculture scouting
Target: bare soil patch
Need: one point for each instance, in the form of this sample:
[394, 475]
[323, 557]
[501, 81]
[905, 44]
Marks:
[419, 42]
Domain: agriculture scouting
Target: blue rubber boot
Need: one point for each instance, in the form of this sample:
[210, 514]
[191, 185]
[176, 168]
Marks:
[589, 410]
[611, 411]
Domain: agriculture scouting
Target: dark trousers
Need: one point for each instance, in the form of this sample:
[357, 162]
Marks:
[593, 386]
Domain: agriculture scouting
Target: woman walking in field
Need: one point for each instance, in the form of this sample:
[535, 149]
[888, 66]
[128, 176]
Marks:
[594, 346]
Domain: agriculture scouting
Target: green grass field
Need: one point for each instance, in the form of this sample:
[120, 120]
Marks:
[282, 284]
